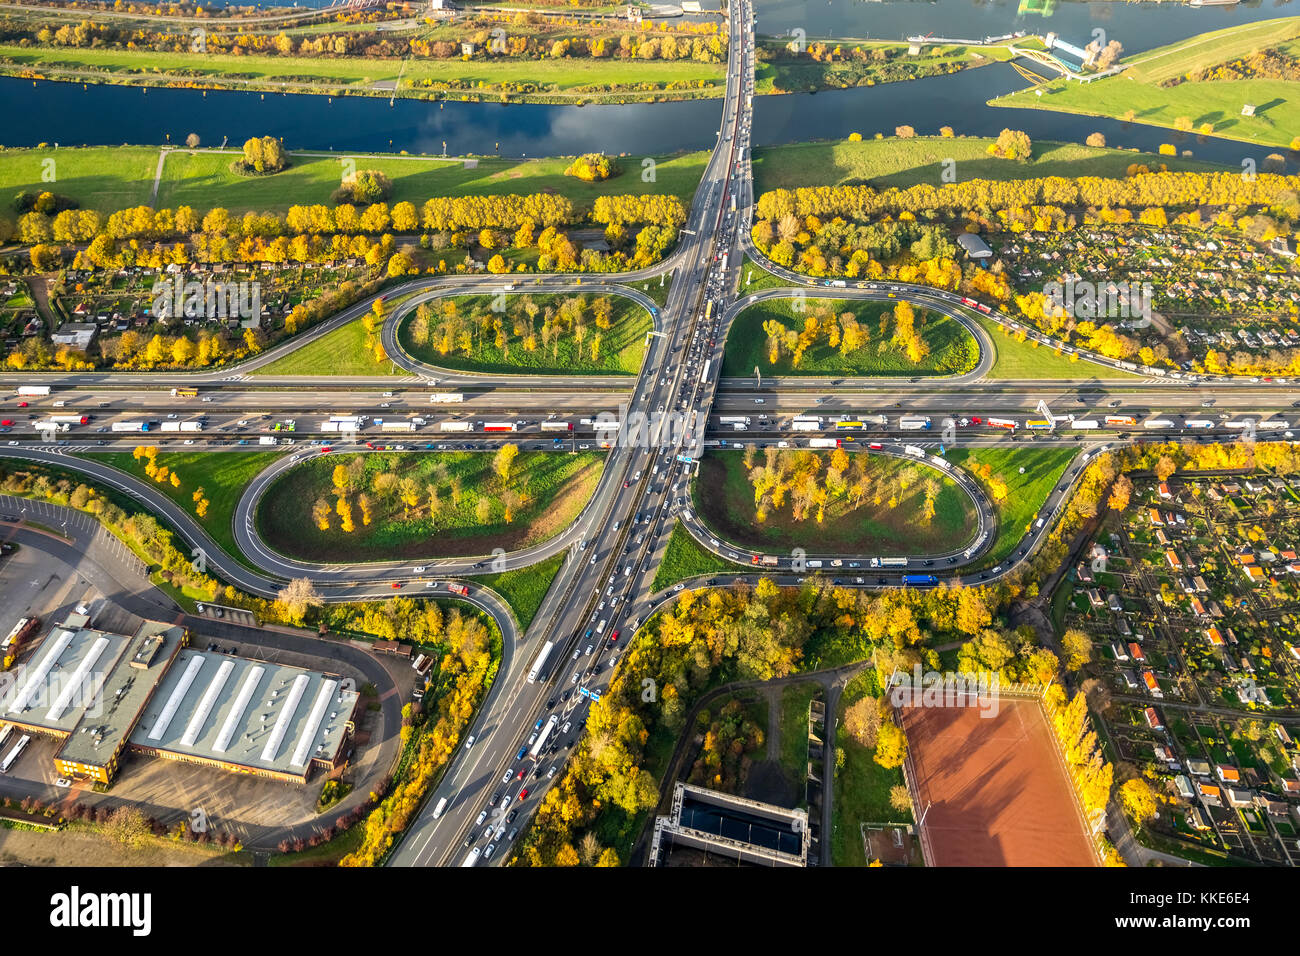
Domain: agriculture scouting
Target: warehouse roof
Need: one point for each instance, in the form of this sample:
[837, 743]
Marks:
[247, 713]
[91, 685]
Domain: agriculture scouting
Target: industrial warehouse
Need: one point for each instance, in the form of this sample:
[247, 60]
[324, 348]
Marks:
[102, 693]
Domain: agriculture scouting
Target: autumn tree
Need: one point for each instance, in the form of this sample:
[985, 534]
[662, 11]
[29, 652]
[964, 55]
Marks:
[296, 599]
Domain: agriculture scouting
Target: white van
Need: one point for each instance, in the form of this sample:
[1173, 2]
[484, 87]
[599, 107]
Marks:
[442, 805]
[600, 628]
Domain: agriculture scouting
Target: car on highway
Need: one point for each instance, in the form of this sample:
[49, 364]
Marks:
[396, 585]
[523, 794]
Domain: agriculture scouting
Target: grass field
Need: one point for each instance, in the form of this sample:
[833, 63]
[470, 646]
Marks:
[1025, 493]
[622, 345]
[204, 179]
[341, 352]
[952, 349]
[729, 510]
[684, 558]
[1019, 360]
[110, 178]
[1209, 49]
[861, 786]
[571, 76]
[223, 476]
[551, 488]
[102, 178]
[794, 734]
[1217, 103]
[525, 588]
[754, 278]
[906, 162]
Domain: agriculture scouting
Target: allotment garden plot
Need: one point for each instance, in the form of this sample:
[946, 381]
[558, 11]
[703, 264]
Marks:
[1193, 614]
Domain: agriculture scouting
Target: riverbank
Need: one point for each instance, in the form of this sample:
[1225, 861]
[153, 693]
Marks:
[563, 81]
[842, 64]
[1260, 110]
[111, 178]
[902, 162]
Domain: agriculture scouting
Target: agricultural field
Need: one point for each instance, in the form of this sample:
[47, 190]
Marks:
[887, 521]
[423, 505]
[881, 349]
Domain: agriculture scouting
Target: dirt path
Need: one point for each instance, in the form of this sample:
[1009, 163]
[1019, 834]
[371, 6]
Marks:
[82, 848]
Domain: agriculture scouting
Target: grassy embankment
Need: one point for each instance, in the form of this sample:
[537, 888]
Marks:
[900, 163]
[1216, 103]
[568, 79]
[549, 492]
[1025, 493]
[952, 349]
[223, 476]
[869, 529]
[111, 178]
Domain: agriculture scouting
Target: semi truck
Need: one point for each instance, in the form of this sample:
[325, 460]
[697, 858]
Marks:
[498, 426]
[33, 391]
[557, 426]
[541, 737]
[766, 560]
[823, 443]
[460, 589]
[268, 440]
[913, 424]
[181, 427]
[889, 562]
[343, 423]
[806, 424]
[1158, 423]
[1009, 423]
[131, 426]
[734, 419]
[454, 426]
[47, 425]
[396, 426]
[914, 450]
[1085, 423]
[1120, 421]
[917, 579]
[540, 662]
[439, 398]
[71, 419]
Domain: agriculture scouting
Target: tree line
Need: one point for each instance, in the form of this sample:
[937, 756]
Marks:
[1167, 189]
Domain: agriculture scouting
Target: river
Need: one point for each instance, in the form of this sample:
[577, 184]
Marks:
[73, 114]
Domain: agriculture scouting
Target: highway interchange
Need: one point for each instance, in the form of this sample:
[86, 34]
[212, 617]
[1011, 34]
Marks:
[603, 589]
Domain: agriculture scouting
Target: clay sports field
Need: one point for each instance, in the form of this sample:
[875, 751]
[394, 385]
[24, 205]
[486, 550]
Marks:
[997, 791]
